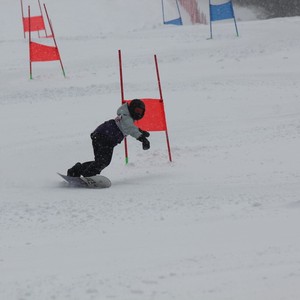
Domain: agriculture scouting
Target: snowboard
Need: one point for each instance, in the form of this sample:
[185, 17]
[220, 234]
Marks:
[97, 181]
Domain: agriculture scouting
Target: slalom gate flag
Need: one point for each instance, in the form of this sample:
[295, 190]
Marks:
[39, 52]
[220, 12]
[36, 23]
[33, 23]
[176, 21]
[155, 117]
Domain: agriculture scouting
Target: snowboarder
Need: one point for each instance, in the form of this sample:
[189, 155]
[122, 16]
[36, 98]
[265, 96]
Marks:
[111, 133]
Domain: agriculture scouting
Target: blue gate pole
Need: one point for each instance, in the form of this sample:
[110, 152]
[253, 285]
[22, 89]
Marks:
[210, 25]
[179, 11]
[236, 29]
[163, 10]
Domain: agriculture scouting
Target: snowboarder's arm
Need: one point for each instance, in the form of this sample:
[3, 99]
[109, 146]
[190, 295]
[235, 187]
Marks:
[126, 125]
[144, 133]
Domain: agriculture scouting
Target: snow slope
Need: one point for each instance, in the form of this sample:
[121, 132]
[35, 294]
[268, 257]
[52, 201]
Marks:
[219, 222]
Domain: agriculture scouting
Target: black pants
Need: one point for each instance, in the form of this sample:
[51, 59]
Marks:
[103, 151]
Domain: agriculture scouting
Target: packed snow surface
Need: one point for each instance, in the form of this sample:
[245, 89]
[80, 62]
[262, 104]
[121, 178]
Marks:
[220, 222]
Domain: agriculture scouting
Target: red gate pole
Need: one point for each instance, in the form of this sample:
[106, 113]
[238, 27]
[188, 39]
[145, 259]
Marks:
[122, 100]
[161, 97]
[30, 64]
[42, 19]
[53, 36]
[23, 19]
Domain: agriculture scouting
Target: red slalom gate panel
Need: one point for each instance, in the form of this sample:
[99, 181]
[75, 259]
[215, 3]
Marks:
[36, 23]
[33, 23]
[39, 52]
[154, 118]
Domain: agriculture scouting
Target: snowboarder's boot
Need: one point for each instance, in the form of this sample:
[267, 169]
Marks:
[75, 171]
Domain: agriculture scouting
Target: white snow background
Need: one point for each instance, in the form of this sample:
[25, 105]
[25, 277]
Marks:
[220, 222]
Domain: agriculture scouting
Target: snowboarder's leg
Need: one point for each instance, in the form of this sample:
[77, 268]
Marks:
[91, 170]
[103, 155]
[103, 151]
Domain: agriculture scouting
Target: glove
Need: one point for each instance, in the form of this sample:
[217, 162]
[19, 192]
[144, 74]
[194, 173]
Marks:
[144, 133]
[145, 142]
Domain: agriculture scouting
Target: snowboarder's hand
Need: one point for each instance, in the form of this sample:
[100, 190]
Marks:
[145, 142]
[144, 133]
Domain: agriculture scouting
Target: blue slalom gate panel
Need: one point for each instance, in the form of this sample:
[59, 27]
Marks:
[221, 12]
[174, 22]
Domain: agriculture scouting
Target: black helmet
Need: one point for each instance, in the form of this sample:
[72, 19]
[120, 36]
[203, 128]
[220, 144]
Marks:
[136, 109]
